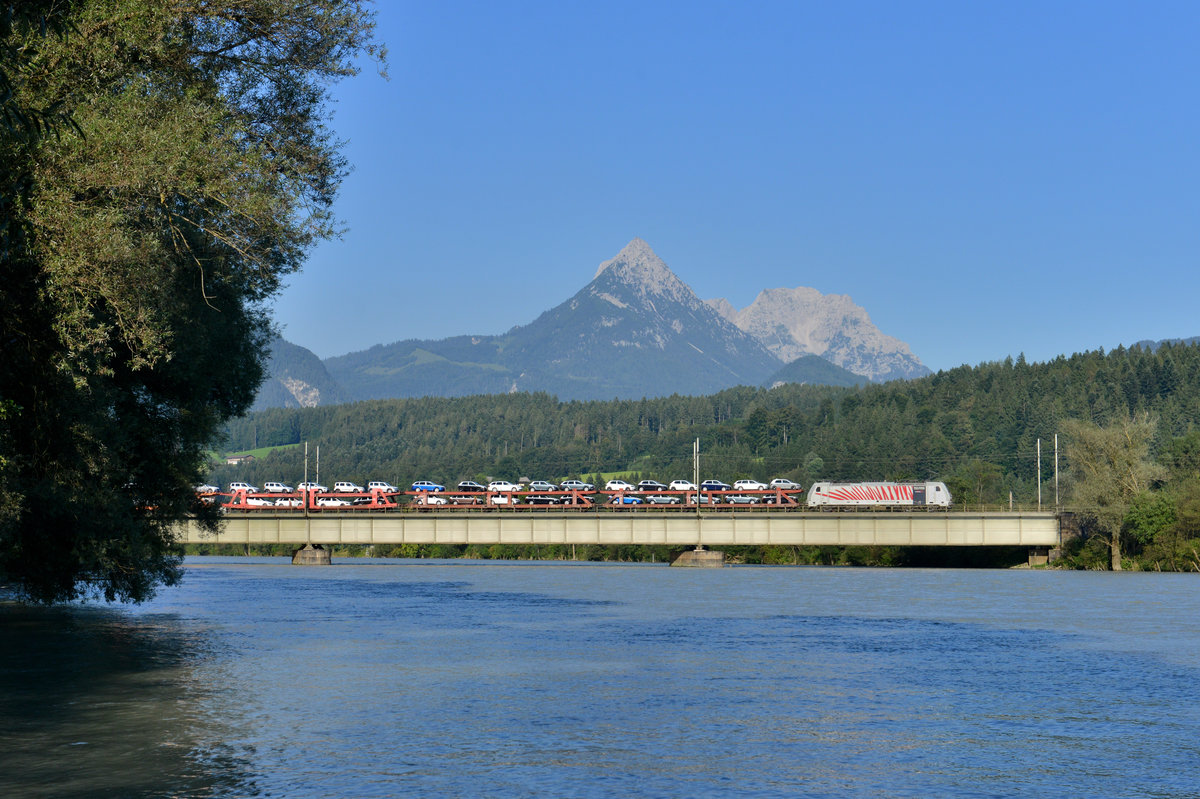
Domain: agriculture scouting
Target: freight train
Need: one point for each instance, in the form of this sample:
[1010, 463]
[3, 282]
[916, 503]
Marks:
[821, 496]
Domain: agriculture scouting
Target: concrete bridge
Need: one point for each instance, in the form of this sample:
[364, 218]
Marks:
[1036, 530]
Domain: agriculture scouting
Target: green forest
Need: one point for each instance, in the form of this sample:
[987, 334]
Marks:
[976, 428]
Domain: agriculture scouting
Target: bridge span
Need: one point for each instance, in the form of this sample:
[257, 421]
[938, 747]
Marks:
[641, 526]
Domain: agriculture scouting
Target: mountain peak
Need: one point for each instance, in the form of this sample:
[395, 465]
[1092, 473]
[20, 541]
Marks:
[639, 269]
[635, 257]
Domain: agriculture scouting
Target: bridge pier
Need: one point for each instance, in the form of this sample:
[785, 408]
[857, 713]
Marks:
[308, 555]
[700, 558]
[1039, 556]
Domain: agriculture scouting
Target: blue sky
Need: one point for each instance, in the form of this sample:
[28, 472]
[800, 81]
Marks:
[984, 178]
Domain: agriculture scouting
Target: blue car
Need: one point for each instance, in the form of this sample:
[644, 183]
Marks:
[625, 500]
[427, 485]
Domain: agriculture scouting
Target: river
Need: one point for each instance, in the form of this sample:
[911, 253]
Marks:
[393, 678]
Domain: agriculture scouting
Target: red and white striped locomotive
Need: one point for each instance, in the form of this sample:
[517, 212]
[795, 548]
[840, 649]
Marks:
[876, 494]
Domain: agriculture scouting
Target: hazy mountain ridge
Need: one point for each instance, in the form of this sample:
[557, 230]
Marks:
[1153, 346]
[814, 370]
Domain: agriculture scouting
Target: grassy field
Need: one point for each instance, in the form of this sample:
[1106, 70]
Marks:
[261, 452]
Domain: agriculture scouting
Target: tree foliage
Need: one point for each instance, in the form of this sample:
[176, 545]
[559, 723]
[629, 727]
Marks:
[976, 427]
[140, 243]
[1110, 470]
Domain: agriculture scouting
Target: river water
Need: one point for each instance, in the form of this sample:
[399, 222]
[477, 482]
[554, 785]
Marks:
[391, 678]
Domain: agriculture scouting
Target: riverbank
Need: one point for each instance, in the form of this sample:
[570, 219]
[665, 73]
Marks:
[922, 557]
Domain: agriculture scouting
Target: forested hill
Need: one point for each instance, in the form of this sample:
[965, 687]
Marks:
[956, 425]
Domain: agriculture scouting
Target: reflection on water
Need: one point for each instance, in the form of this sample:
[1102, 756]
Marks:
[99, 703]
[594, 680]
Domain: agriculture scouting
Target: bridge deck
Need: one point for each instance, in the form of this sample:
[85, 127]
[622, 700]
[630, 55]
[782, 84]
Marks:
[639, 527]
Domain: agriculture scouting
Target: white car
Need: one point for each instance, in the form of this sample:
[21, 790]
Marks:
[312, 487]
[238, 485]
[347, 488]
[379, 485]
[503, 485]
[259, 502]
[619, 485]
[272, 487]
[749, 485]
[289, 502]
[331, 502]
[682, 485]
[785, 484]
[205, 488]
[504, 499]
[427, 498]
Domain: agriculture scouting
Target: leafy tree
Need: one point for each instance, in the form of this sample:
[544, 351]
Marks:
[1150, 515]
[140, 243]
[1109, 467]
[976, 481]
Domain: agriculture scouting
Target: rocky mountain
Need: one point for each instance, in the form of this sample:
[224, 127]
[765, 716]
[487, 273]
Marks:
[296, 378]
[803, 321]
[636, 330]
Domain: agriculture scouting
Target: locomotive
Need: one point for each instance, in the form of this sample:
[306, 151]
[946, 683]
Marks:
[932, 494]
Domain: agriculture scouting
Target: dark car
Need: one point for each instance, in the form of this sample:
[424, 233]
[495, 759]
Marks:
[470, 485]
[714, 485]
[542, 499]
[651, 485]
